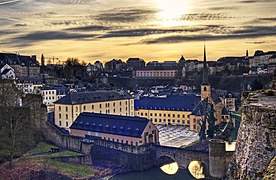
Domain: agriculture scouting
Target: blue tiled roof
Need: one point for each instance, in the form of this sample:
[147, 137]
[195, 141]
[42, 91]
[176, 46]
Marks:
[215, 96]
[224, 111]
[89, 97]
[184, 102]
[201, 108]
[111, 124]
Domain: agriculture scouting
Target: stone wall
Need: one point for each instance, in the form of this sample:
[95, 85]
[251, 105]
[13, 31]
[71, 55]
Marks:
[256, 141]
[81, 159]
[135, 162]
[66, 141]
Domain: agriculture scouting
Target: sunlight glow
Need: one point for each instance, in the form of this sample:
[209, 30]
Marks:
[170, 11]
[170, 168]
[196, 169]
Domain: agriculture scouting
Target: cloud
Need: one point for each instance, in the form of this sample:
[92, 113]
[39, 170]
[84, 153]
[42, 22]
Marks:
[247, 32]
[8, 2]
[154, 31]
[90, 28]
[257, 42]
[270, 19]
[206, 17]
[51, 35]
[256, 1]
[125, 15]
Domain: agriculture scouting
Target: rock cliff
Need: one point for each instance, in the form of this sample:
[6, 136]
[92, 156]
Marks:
[256, 142]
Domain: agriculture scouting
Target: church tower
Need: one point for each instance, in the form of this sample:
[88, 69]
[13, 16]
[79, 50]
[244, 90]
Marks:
[205, 86]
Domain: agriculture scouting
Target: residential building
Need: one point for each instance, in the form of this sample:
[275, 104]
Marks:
[6, 72]
[173, 109]
[159, 72]
[68, 108]
[29, 85]
[128, 130]
[51, 94]
[260, 58]
[24, 66]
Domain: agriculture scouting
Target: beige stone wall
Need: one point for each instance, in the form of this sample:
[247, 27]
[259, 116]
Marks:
[165, 116]
[123, 107]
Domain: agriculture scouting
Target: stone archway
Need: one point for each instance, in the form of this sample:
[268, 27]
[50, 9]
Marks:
[197, 169]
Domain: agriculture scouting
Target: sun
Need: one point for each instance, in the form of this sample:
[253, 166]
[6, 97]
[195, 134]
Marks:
[171, 11]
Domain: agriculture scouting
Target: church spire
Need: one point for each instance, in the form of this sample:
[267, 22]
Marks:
[205, 68]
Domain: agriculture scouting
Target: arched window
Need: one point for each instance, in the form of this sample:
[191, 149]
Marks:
[205, 89]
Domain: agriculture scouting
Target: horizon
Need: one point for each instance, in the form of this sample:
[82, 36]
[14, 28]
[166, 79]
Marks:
[154, 30]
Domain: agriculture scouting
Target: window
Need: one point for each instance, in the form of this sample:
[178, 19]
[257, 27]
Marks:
[66, 123]
[114, 104]
[120, 103]
[84, 108]
[76, 109]
[142, 114]
[122, 141]
[173, 115]
[66, 116]
[126, 102]
[150, 114]
[66, 109]
[114, 110]
[183, 116]
[100, 106]
[146, 114]
[164, 115]
[59, 115]
[59, 123]
[59, 108]
[155, 114]
[92, 107]
[178, 115]
[160, 115]
[204, 89]
[169, 115]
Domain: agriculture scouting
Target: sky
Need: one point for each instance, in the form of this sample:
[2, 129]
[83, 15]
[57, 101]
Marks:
[150, 29]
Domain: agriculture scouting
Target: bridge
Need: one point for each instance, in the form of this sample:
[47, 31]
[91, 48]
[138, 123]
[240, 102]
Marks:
[183, 157]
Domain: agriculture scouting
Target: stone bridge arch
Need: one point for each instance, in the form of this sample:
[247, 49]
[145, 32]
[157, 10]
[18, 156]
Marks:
[183, 157]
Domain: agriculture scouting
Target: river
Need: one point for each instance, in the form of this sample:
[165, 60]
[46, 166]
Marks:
[154, 174]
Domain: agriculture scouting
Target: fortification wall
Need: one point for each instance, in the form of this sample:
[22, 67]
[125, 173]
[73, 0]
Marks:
[256, 141]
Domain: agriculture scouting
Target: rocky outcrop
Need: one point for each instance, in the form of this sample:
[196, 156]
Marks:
[256, 141]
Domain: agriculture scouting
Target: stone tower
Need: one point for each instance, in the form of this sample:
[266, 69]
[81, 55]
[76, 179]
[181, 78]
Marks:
[205, 86]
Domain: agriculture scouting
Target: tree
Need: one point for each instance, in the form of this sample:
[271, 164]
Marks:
[17, 129]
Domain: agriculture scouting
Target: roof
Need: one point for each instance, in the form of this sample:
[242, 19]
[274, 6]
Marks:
[224, 111]
[6, 71]
[111, 124]
[16, 59]
[90, 97]
[186, 102]
[214, 96]
[201, 108]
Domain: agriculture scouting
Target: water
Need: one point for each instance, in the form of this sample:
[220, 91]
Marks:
[154, 174]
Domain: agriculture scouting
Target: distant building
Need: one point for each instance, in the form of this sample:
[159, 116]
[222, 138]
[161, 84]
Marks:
[68, 108]
[173, 110]
[24, 66]
[156, 72]
[29, 85]
[134, 63]
[260, 58]
[51, 94]
[6, 72]
[128, 130]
